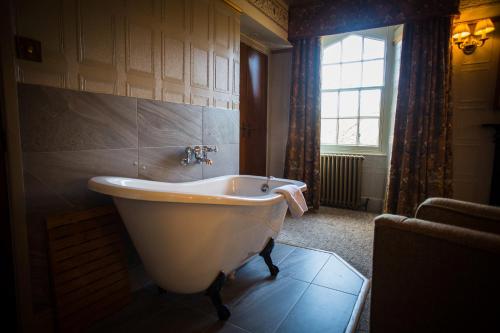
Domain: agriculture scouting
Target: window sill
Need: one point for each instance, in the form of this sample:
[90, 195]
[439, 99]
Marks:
[326, 149]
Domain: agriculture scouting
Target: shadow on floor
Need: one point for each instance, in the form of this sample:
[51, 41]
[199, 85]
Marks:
[315, 291]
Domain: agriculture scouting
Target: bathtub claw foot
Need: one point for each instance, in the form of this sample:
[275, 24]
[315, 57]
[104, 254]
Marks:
[266, 254]
[214, 293]
[223, 313]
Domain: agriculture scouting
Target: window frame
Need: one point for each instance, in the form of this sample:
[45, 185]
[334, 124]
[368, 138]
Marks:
[385, 34]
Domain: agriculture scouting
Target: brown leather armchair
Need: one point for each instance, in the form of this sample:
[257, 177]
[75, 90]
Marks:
[439, 271]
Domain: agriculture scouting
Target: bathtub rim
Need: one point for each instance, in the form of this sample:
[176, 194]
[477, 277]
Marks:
[101, 184]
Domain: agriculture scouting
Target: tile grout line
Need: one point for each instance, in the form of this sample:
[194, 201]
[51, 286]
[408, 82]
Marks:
[345, 263]
[50, 189]
[137, 131]
[344, 292]
[283, 259]
[319, 285]
[326, 261]
[352, 269]
[302, 295]
[309, 285]
[286, 315]
[336, 257]
[291, 308]
[203, 112]
[77, 151]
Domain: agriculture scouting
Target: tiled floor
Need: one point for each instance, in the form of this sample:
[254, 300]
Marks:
[315, 291]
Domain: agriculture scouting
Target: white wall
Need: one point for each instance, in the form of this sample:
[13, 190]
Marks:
[373, 181]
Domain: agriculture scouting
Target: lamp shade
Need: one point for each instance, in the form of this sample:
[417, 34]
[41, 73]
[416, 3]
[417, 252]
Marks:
[461, 30]
[483, 27]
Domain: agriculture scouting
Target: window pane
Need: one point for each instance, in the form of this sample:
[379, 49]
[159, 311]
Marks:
[373, 73]
[348, 131]
[374, 48]
[330, 77]
[348, 106]
[328, 131]
[351, 48]
[368, 132]
[329, 104]
[370, 102]
[351, 75]
[331, 54]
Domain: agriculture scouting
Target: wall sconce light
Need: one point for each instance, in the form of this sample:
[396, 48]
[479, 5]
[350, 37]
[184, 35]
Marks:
[468, 39]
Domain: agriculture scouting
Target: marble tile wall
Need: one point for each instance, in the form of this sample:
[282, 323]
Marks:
[70, 136]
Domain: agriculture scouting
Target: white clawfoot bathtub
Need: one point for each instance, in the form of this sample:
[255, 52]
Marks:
[187, 233]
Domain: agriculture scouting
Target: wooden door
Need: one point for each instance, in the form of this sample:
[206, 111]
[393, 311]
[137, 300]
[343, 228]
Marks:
[253, 111]
[7, 277]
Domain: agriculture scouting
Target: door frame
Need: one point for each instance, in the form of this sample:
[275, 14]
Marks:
[255, 44]
[14, 166]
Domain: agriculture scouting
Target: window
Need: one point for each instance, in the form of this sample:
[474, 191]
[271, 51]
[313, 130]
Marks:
[352, 93]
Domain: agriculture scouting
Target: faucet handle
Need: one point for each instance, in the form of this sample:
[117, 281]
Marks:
[211, 148]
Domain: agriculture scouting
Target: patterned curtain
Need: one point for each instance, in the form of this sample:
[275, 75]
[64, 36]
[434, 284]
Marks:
[328, 17]
[421, 162]
[302, 153]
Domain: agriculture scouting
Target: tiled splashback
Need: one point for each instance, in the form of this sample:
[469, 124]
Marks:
[69, 137]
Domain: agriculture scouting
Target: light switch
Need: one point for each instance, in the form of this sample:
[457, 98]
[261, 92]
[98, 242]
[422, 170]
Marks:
[28, 49]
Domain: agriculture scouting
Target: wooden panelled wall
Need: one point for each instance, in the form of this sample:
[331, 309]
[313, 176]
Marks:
[474, 81]
[183, 51]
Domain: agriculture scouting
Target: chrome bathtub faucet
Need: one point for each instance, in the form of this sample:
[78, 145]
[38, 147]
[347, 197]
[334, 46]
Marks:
[265, 187]
[198, 155]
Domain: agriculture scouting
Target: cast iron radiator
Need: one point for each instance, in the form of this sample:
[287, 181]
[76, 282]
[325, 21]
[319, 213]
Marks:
[341, 180]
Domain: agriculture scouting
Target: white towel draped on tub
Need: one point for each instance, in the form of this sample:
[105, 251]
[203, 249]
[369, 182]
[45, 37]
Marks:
[295, 199]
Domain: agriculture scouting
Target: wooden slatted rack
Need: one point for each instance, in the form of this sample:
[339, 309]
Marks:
[88, 266]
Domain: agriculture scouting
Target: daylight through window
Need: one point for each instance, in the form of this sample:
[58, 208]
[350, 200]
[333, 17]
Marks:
[352, 88]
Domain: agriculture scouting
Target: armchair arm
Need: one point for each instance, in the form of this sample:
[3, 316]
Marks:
[433, 277]
[461, 214]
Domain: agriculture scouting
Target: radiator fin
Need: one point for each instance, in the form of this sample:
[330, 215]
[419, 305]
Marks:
[341, 180]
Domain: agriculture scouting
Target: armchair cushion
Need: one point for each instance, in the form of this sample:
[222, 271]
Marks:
[461, 214]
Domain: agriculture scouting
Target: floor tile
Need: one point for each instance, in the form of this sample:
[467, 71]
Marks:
[144, 304]
[303, 264]
[320, 310]
[263, 307]
[257, 268]
[257, 301]
[224, 327]
[177, 318]
[336, 275]
[251, 297]
[280, 252]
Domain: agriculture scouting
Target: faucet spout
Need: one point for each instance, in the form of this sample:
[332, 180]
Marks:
[198, 155]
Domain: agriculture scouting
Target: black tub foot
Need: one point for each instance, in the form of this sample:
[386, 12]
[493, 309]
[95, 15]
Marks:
[266, 254]
[161, 291]
[214, 293]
